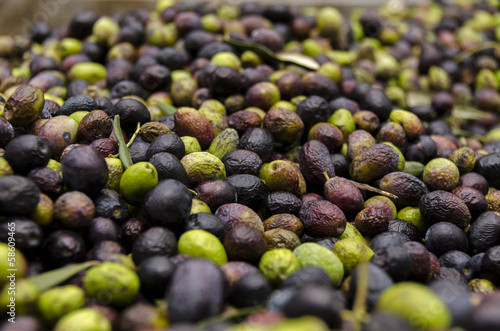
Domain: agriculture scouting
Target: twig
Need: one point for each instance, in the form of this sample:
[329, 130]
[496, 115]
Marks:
[137, 131]
[367, 187]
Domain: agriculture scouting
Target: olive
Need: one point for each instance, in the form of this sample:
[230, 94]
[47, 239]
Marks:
[27, 152]
[62, 247]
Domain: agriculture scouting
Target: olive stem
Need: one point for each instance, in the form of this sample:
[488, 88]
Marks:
[358, 313]
[134, 135]
[367, 187]
[326, 176]
[123, 151]
[193, 192]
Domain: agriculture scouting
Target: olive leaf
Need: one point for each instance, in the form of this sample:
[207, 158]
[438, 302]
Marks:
[415, 98]
[267, 55]
[55, 277]
[123, 151]
[166, 109]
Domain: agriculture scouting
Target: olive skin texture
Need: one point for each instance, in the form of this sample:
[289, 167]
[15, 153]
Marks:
[322, 218]
[154, 274]
[474, 200]
[157, 241]
[406, 228]
[489, 167]
[18, 195]
[312, 110]
[242, 161]
[443, 237]
[314, 161]
[243, 120]
[196, 292]
[474, 180]
[371, 221]
[408, 188]
[484, 233]
[24, 105]
[109, 204]
[95, 125]
[208, 222]
[442, 206]
[258, 140]
[169, 166]
[373, 163]
[281, 203]
[27, 152]
[167, 204]
[250, 190]
[84, 169]
[77, 103]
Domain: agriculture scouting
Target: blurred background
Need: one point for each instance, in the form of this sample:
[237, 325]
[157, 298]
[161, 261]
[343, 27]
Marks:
[16, 16]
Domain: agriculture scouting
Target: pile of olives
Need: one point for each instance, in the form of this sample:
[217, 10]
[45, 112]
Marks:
[209, 166]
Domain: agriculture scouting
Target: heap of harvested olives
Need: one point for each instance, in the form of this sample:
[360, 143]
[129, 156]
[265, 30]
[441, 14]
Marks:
[213, 166]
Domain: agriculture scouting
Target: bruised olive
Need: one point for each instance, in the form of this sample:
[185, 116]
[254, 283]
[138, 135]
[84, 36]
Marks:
[24, 105]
